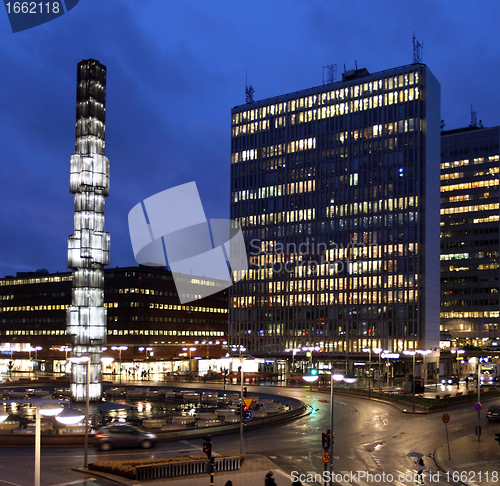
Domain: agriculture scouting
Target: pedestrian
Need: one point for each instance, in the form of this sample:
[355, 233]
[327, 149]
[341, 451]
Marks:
[467, 382]
[270, 479]
[296, 483]
[420, 469]
[229, 483]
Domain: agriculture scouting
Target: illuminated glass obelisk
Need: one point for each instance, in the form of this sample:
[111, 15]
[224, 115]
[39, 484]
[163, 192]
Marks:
[88, 247]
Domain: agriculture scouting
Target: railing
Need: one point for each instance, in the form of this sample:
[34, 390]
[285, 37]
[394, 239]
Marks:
[166, 470]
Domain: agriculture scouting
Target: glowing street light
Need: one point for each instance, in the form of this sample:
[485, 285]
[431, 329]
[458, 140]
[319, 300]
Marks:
[120, 349]
[347, 378]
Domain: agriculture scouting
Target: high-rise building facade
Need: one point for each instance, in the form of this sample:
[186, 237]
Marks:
[88, 246]
[470, 197]
[336, 189]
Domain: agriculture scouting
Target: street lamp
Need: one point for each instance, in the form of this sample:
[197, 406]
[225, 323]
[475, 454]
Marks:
[369, 351]
[347, 379]
[387, 355]
[47, 407]
[412, 353]
[86, 360]
[120, 349]
[424, 354]
[378, 351]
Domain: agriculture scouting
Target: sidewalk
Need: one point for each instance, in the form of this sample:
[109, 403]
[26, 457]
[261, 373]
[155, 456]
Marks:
[253, 471]
[472, 462]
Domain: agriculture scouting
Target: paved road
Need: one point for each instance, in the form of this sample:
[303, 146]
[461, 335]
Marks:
[370, 438]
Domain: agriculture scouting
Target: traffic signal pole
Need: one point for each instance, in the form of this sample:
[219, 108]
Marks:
[241, 411]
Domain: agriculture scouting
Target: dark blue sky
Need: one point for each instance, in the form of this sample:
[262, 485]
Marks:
[175, 70]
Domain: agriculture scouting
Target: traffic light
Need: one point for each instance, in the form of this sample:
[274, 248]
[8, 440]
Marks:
[207, 445]
[325, 440]
[497, 438]
[244, 392]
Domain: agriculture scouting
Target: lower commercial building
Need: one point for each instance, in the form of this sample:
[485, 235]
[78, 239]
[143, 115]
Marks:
[143, 312]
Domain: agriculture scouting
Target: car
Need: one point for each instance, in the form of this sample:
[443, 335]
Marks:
[493, 413]
[123, 435]
[450, 380]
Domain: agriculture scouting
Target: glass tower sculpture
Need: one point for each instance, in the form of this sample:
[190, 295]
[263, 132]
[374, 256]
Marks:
[88, 247]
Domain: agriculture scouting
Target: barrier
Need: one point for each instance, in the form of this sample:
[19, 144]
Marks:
[167, 470]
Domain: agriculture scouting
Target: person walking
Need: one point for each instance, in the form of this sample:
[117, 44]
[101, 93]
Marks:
[420, 469]
[229, 483]
[270, 479]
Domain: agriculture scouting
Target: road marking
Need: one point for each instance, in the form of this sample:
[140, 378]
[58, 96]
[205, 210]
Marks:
[7, 482]
[75, 482]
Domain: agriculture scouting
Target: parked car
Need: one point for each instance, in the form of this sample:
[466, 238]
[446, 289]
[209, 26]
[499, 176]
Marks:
[493, 413]
[123, 435]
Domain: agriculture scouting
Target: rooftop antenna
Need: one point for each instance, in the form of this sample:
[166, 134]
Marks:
[417, 50]
[249, 91]
[473, 117]
[329, 74]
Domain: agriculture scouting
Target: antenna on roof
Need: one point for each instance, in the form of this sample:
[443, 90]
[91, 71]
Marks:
[249, 91]
[417, 50]
[329, 74]
[473, 117]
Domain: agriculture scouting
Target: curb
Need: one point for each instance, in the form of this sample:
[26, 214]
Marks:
[449, 470]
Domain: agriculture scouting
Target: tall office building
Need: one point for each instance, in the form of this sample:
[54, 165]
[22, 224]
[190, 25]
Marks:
[88, 247]
[337, 191]
[470, 299]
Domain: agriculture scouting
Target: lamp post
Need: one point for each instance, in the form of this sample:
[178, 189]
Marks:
[378, 351]
[369, 351]
[120, 349]
[86, 360]
[412, 353]
[335, 377]
[387, 355]
[424, 353]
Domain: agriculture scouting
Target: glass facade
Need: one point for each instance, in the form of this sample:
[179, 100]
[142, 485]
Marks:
[88, 247]
[470, 168]
[336, 189]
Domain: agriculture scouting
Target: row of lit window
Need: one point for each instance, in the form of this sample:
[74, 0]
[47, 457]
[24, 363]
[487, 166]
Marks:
[121, 332]
[483, 266]
[455, 256]
[465, 315]
[39, 280]
[116, 305]
[470, 209]
[465, 197]
[330, 111]
[390, 129]
[461, 163]
[370, 207]
[272, 150]
[163, 332]
[459, 175]
[33, 308]
[188, 308]
[388, 297]
[277, 218]
[278, 190]
[469, 185]
[354, 91]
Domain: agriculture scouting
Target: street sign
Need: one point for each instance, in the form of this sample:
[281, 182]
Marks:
[326, 457]
[248, 415]
[247, 402]
[477, 407]
[446, 418]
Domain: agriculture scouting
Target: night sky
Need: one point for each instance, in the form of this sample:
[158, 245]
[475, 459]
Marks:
[175, 70]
